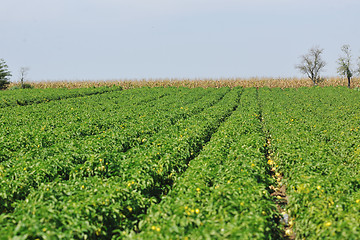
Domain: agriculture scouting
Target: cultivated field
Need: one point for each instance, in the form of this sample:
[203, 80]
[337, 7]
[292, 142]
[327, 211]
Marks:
[180, 163]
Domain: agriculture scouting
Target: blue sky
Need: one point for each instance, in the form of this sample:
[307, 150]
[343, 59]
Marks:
[128, 39]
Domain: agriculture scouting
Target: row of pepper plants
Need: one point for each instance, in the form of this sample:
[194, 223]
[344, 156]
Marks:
[224, 192]
[26, 127]
[34, 138]
[34, 96]
[107, 188]
[168, 163]
[315, 145]
[26, 169]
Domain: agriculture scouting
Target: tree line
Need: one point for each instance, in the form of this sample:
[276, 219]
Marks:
[312, 64]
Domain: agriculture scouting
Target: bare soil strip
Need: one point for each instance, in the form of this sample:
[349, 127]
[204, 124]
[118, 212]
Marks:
[278, 190]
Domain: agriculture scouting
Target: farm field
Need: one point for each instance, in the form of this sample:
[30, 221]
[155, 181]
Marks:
[180, 163]
[31, 96]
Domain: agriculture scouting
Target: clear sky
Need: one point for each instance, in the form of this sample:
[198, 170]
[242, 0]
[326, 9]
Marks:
[127, 39]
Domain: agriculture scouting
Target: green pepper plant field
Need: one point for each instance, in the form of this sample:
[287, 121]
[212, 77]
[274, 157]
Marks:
[180, 163]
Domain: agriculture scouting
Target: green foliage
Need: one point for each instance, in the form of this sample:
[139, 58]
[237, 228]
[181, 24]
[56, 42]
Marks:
[4, 75]
[178, 163]
[92, 162]
[315, 135]
[223, 193]
[28, 95]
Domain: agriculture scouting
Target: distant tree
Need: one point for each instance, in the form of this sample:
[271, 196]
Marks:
[4, 75]
[345, 64]
[312, 64]
[23, 73]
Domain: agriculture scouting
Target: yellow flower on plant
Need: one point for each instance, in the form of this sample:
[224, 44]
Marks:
[291, 223]
[327, 224]
[288, 232]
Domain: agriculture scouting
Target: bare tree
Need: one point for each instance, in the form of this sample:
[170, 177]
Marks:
[312, 64]
[345, 64]
[23, 73]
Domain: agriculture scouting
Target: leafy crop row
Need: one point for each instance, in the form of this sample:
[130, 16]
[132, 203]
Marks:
[75, 157]
[43, 125]
[32, 129]
[179, 163]
[126, 183]
[223, 194]
[33, 96]
[315, 141]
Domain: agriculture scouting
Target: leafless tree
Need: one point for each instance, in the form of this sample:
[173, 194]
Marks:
[312, 64]
[345, 64]
[23, 73]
